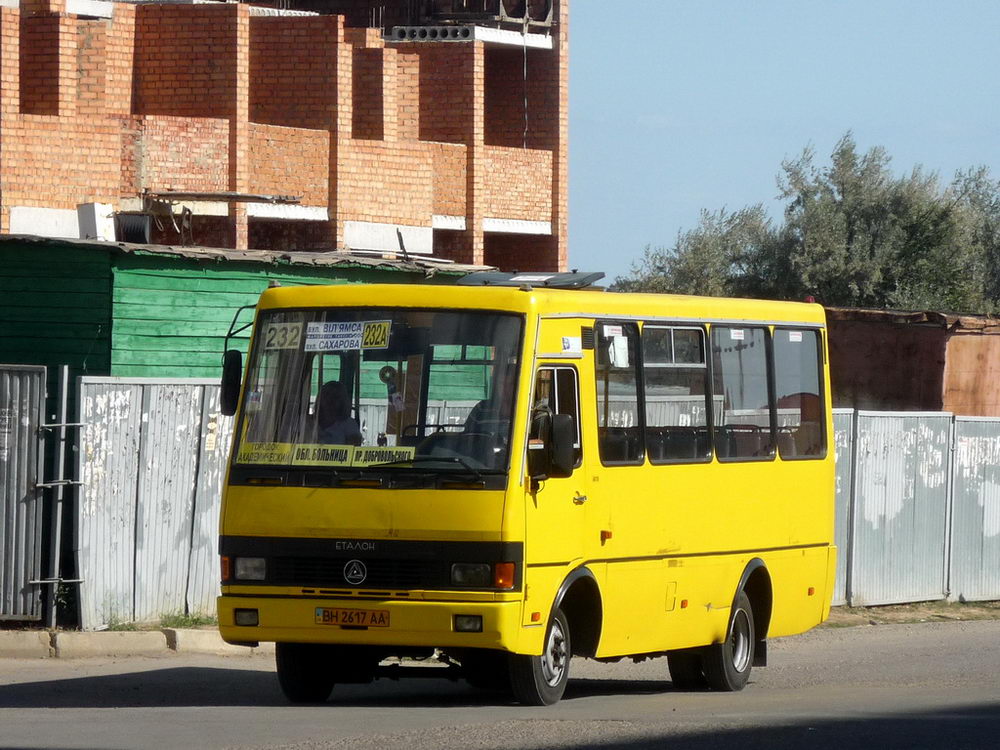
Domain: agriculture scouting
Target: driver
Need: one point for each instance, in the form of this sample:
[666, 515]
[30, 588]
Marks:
[336, 426]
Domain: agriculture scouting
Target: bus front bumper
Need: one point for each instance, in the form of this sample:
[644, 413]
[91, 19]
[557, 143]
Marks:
[393, 622]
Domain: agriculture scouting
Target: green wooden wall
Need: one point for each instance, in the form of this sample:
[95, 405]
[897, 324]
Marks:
[170, 318]
[140, 314]
[55, 309]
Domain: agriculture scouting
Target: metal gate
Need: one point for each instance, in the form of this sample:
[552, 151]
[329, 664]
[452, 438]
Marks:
[151, 461]
[22, 405]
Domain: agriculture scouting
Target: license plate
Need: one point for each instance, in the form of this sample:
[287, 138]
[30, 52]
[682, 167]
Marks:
[359, 618]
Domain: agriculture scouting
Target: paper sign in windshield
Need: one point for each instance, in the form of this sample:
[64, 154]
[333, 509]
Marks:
[347, 336]
[316, 454]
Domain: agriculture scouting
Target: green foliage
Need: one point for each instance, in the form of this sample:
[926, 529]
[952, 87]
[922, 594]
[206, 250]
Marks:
[853, 234]
[181, 620]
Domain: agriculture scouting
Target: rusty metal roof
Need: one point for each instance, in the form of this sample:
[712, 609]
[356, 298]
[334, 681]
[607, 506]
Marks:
[319, 258]
[929, 318]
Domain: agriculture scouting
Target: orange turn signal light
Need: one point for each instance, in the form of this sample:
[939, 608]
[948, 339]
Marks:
[226, 564]
[812, 590]
[503, 575]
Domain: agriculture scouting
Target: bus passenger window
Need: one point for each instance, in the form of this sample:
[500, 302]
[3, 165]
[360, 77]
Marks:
[557, 392]
[798, 393]
[743, 422]
[675, 378]
[618, 418]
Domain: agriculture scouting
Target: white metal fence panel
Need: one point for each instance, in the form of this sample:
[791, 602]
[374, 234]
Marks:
[22, 402]
[147, 518]
[168, 460]
[975, 539]
[843, 442]
[203, 571]
[900, 518]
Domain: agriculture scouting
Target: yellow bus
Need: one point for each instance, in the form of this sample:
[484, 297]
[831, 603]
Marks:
[522, 468]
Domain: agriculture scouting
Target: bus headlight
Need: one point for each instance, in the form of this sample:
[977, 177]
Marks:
[251, 569]
[478, 575]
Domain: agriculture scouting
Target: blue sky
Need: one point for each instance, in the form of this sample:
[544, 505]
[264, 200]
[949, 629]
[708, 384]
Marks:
[679, 106]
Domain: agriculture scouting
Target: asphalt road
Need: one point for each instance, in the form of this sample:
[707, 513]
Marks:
[932, 685]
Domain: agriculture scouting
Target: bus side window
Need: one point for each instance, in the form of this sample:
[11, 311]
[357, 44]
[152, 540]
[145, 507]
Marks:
[557, 392]
[619, 423]
[798, 393]
[744, 425]
[676, 394]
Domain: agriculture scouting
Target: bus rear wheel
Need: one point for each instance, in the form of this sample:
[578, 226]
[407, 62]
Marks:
[727, 665]
[541, 680]
[304, 672]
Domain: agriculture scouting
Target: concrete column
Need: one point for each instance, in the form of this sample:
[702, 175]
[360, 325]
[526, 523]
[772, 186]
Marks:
[239, 124]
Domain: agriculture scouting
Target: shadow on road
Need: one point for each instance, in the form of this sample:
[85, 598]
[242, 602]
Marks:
[207, 686]
[974, 727]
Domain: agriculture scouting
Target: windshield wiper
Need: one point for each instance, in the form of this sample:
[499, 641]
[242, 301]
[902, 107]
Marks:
[431, 459]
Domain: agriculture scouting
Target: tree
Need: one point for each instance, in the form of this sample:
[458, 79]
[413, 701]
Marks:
[853, 234]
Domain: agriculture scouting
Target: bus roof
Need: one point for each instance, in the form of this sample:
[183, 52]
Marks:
[588, 303]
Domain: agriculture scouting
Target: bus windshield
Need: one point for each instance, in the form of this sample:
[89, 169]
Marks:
[381, 388]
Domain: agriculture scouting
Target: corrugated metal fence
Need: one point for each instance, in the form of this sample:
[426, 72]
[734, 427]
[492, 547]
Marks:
[151, 458]
[22, 403]
[922, 518]
[918, 500]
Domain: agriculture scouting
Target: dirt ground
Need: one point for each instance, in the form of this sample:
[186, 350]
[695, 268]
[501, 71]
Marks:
[844, 617]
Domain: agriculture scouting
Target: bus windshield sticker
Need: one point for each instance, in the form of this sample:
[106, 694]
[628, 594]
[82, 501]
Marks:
[265, 453]
[376, 334]
[347, 336]
[573, 344]
[370, 455]
[308, 454]
[282, 335]
[610, 331]
[736, 334]
[795, 337]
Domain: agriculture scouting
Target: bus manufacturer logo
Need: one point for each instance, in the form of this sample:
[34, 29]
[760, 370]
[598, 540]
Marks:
[355, 572]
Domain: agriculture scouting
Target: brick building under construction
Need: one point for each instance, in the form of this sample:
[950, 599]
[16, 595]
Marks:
[435, 126]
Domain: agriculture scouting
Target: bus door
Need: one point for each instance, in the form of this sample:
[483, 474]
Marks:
[560, 514]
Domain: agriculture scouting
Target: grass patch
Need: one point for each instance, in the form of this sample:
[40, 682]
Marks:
[179, 620]
[940, 611]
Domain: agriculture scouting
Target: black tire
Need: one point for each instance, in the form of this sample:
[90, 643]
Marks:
[727, 665]
[686, 671]
[304, 672]
[541, 680]
[486, 670]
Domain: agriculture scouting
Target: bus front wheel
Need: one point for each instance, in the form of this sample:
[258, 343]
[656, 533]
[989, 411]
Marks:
[727, 665]
[541, 680]
[304, 672]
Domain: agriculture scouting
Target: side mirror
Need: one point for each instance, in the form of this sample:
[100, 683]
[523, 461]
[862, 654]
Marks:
[562, 457]
[232, 376]
[551, 454]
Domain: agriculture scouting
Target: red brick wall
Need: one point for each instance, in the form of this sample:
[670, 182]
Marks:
[520, 252]
[368, 116]
[517, 184]
[446, 100]
[40, 71]
[385, 183]
[91, 61]
[293, 71]
[289, 235]
[175, 153]
[57, 162]
[186, 60]
[290, 161]
[509, 95]
[164, 97]
[448, 162]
